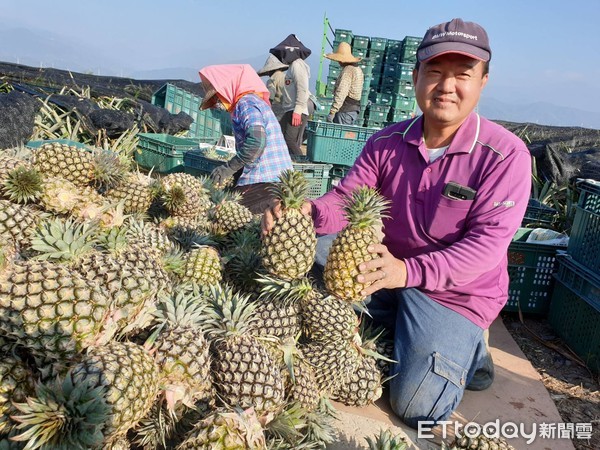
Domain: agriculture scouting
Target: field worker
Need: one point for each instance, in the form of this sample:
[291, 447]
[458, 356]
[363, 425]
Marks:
[295, 98]
[275, 70]
[458, 185]
[261, 153]
[348, 87]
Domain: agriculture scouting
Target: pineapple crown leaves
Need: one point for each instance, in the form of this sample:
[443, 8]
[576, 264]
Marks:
[64, 240]
[186, 307]
[109, 169]
[63, 415]
[365, 207]
[229, 312]
[189, 238]
[320, 427]
[23, 185]
[174, 197]
[292, 189]
[286, 427]
[385, 440]
[113, 239]
[291, 291]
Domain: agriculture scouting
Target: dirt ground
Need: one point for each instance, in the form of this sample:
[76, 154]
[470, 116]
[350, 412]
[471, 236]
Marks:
[574, 389]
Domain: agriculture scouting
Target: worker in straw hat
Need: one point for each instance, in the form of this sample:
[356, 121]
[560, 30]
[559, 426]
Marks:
[261, 152]
[348, 86]
[275, 70]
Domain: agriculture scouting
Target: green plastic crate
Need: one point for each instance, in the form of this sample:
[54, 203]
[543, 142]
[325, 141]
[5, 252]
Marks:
[208, 123]
[163, 152]
[336, 173]
[195, 163]
[317, 176]
[360, 42]
[378, 44]
[342, 36]
[393, 46]
[584, 242]
[335, 143]
[391, 58]
[531, 266]
[575, 310]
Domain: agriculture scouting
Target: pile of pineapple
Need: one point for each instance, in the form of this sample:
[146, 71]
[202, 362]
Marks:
[149, 312]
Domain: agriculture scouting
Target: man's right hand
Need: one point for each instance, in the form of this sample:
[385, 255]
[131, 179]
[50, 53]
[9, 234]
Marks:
[275, 212]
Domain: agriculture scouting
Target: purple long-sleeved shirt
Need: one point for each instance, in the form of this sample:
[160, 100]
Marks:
[455, 250]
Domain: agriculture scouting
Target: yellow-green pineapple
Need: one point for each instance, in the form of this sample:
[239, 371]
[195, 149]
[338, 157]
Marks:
[243, 370]
[288, 250]
[228, 214]
[18, 222]
[130, 377]
[136, 191]
[65, 161]
[225, 429]
[184, 195]
[181, 349]
[385, 440]
[364, 210]
[480, 442]
[16, 384]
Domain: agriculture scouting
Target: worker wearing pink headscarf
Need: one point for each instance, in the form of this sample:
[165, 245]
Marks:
[261, 151]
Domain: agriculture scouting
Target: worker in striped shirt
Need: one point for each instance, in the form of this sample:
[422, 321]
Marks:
[348, 87]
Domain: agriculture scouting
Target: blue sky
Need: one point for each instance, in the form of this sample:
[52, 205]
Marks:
[542, 50]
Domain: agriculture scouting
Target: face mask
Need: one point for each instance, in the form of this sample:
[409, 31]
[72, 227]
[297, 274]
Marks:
[220, 106]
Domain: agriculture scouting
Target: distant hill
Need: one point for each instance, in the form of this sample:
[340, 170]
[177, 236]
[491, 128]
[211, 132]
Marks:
[541, 113]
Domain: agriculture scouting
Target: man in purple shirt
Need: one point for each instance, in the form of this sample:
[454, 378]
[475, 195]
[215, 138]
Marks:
[458, 186]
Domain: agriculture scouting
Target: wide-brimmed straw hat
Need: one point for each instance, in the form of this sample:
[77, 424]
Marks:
[343, 54]
[271, 65]
[210, 96]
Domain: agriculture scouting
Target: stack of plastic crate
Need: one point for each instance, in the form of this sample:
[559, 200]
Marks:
[575, 306]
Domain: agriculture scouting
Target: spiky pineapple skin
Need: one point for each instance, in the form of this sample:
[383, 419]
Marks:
[16, 384]
[328, 318]
[226, 430]
[52, 311]
[130, 376]
[202, 265]
[245, 374]
[18, 222]
[480, 442]
[348, 251]
[289, 248]
[276, 317]
[65, 161]
[183, 356]
[363, 386]
[134, 192]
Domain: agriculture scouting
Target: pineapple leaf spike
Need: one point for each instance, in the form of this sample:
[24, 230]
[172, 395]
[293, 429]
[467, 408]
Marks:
[64, 415]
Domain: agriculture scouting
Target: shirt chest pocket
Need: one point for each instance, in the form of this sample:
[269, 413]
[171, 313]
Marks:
[447, 219]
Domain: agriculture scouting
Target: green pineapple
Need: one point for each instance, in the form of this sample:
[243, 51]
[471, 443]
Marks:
[53, 311]
[182, 351]
[227, 430]
[22, 185]
[63, 414]
[129, 287]
[184, 195]
[288, 250]
[480, 442]
[130, 377]
[18, 222]
[65, 161]
[16, 384]
[385, 440]
[243, 370]
[364, 210]
[228, 214]
[136, 191]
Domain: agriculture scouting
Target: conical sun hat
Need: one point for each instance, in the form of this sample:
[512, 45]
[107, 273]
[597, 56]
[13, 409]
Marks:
[271, 65]
[343, 54]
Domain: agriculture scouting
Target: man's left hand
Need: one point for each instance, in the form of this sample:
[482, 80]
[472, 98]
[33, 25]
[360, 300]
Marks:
[384, 271]
[296, 119]
[330, 118]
